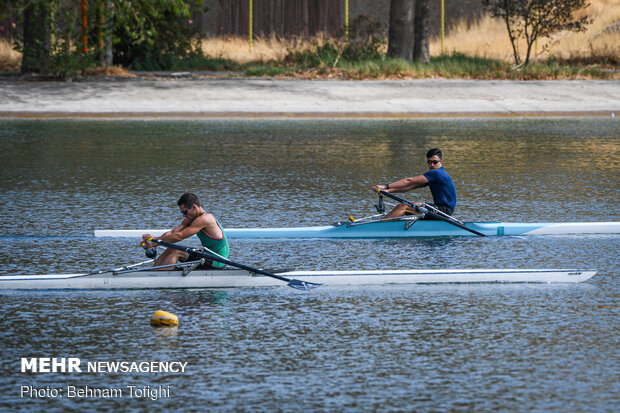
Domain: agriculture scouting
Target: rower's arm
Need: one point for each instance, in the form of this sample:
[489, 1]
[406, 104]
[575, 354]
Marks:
[172, 234]
[206, 222]
[407, 184]
[181, 232]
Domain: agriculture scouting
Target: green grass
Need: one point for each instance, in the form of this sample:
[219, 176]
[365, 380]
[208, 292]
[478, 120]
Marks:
[328, 62]
[328, 59]
[194, 61]
[553, 69]
[458, 65]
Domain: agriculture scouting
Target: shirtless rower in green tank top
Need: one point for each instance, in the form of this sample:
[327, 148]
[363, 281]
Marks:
[197, 222]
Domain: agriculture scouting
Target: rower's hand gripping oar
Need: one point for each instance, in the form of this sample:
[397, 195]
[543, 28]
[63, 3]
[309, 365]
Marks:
[300, 285]
[425, 211]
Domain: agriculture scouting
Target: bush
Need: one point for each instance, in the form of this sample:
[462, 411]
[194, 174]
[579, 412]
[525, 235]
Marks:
[155, 34]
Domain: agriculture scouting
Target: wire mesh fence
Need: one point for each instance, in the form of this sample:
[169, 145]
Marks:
[302, 18]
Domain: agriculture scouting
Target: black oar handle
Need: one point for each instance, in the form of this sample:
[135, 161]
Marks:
[191, 250]
[300, 285]
[425, 211]
[418, 208]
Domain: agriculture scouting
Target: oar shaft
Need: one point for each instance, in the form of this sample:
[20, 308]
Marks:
[218, 258]
[300, 285]
[124, 267]
[425, 211]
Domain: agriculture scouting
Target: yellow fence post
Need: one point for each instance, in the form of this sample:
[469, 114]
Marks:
[250, 25]
[442, 24]
[346, 21]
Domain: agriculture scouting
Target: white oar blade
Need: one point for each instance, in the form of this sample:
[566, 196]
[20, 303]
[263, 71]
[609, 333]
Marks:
[302, 285]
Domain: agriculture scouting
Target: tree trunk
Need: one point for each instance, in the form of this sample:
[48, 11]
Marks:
[36, 55]
[421, 49]
[101, 33]
[513, 41]
[305, 18]
[109, 51]
[400, 41]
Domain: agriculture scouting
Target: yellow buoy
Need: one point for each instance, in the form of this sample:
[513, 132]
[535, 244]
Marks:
[164, 319]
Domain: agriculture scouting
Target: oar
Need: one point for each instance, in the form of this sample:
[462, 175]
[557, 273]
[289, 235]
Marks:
[425, 211]
[124, 267]
[300, 285]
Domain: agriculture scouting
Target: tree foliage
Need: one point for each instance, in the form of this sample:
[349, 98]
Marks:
[528, 20]
[36, 37]
[148, 34]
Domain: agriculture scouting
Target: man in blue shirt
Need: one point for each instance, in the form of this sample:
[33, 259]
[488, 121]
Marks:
[440, 183]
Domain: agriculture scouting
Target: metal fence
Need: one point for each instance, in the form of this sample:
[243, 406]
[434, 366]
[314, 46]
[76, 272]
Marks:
[301, 18]
[285, 18]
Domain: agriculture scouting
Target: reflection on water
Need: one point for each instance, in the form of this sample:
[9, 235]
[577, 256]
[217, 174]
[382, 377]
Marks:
[461, 347]
[483, 347]
[266, 173]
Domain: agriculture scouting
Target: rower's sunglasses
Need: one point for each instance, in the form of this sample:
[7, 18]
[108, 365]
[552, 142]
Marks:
[184, 212]
[434, 161]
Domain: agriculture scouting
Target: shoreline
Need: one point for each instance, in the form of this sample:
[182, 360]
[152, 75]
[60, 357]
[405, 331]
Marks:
[292, 98]
[307, 115]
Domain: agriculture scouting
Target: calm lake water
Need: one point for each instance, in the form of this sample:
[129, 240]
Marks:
[413, 348]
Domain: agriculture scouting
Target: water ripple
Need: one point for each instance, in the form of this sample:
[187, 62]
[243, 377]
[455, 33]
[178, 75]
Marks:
[383, 348]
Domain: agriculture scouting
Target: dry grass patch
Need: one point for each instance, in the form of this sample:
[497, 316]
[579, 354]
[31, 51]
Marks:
[238, 48]
[488, 38]
[9, 59]
[600, 42]
[110, 71]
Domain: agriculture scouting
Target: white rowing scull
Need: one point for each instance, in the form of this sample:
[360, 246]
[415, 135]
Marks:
[235, 278]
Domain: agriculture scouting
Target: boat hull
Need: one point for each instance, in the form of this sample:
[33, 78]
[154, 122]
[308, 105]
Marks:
[233, 278]
[400, 229]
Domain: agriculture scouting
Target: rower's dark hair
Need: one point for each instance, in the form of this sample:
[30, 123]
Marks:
[433, 152]
[188, 199]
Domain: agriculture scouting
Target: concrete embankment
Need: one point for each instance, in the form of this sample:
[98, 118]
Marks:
[227, 97]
